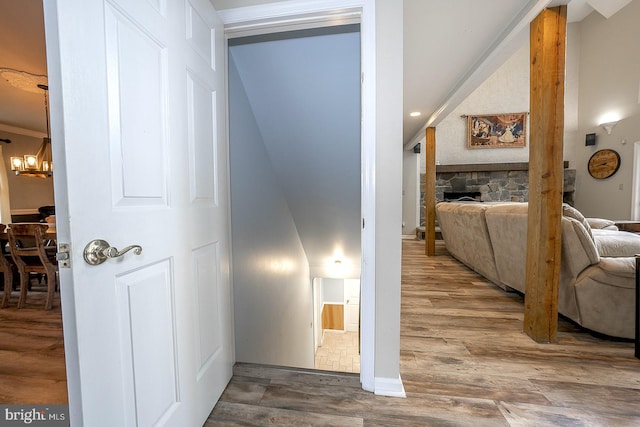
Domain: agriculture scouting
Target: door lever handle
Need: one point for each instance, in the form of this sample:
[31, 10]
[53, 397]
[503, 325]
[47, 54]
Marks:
[98, 251]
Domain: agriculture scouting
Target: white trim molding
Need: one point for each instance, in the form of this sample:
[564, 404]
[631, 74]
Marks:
[288, 12]
[391, 387]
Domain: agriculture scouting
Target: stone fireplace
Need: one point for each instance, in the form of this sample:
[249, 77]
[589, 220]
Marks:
[491, 182]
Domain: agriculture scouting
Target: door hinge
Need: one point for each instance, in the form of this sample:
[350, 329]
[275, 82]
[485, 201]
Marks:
[62, 256]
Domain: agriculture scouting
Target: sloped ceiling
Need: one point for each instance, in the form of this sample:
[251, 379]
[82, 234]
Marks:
[305, 96]
[451, 47]
[442, 41]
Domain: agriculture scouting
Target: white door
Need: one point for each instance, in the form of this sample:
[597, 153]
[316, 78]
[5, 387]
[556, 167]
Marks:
[351, 305]
[142, 97]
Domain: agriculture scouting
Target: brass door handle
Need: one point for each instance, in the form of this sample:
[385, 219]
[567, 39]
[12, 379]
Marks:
[98, 251]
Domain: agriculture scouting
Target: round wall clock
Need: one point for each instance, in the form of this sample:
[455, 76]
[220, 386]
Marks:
[604, 163]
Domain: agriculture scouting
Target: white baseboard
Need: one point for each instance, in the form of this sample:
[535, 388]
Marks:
[391, 387]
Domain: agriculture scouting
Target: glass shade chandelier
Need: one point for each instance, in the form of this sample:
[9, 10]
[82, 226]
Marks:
[39, 164]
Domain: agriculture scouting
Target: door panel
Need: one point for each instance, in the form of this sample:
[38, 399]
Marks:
[206, 260]
[149, 345]
[137, 70]
[201, 34]
[201, 121]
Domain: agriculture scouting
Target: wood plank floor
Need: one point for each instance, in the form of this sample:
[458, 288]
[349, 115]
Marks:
[464, 362]
[32, 369]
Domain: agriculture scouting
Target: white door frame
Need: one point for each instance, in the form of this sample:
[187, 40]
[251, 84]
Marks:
[289, 15]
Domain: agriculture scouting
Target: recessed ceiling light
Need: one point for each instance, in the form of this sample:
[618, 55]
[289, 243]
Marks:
[415, 114]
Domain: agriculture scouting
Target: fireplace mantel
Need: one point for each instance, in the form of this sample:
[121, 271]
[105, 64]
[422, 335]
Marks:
[486, 167]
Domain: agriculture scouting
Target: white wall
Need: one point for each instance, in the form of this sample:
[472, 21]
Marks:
[410, 191]
[25, 192]
[333, 291]
[272, 288]
[388, 181]
[609, 83]
[505, 91]
[572, 138]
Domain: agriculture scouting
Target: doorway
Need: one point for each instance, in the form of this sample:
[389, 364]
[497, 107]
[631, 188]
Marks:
[294, 114]
[337, 324]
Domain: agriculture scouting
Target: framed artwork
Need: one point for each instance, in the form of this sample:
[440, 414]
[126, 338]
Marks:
[497, 130]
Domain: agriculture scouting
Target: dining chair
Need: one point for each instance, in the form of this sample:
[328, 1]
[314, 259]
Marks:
[31, 255]
[6, 267]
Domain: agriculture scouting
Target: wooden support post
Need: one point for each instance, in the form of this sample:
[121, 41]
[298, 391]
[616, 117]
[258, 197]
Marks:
[544, 233]
[430, 193]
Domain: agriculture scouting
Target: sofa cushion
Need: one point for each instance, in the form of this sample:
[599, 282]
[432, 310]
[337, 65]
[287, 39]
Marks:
[576, 240]
[601, 224]
[507, 225]
[571, 212]
[605, 294]
[464, 231]
[611, 243]
[617, 269]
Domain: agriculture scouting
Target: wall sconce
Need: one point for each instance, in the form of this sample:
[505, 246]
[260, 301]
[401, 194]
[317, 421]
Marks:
[608, 126]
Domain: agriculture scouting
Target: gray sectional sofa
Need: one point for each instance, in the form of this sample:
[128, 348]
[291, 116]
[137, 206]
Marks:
[597, 279]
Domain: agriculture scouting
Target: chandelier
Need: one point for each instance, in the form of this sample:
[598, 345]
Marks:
[38, 164]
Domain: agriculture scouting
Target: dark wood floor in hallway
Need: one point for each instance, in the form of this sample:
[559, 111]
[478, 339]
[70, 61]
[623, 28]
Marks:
[464, 362]
[32, 369]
